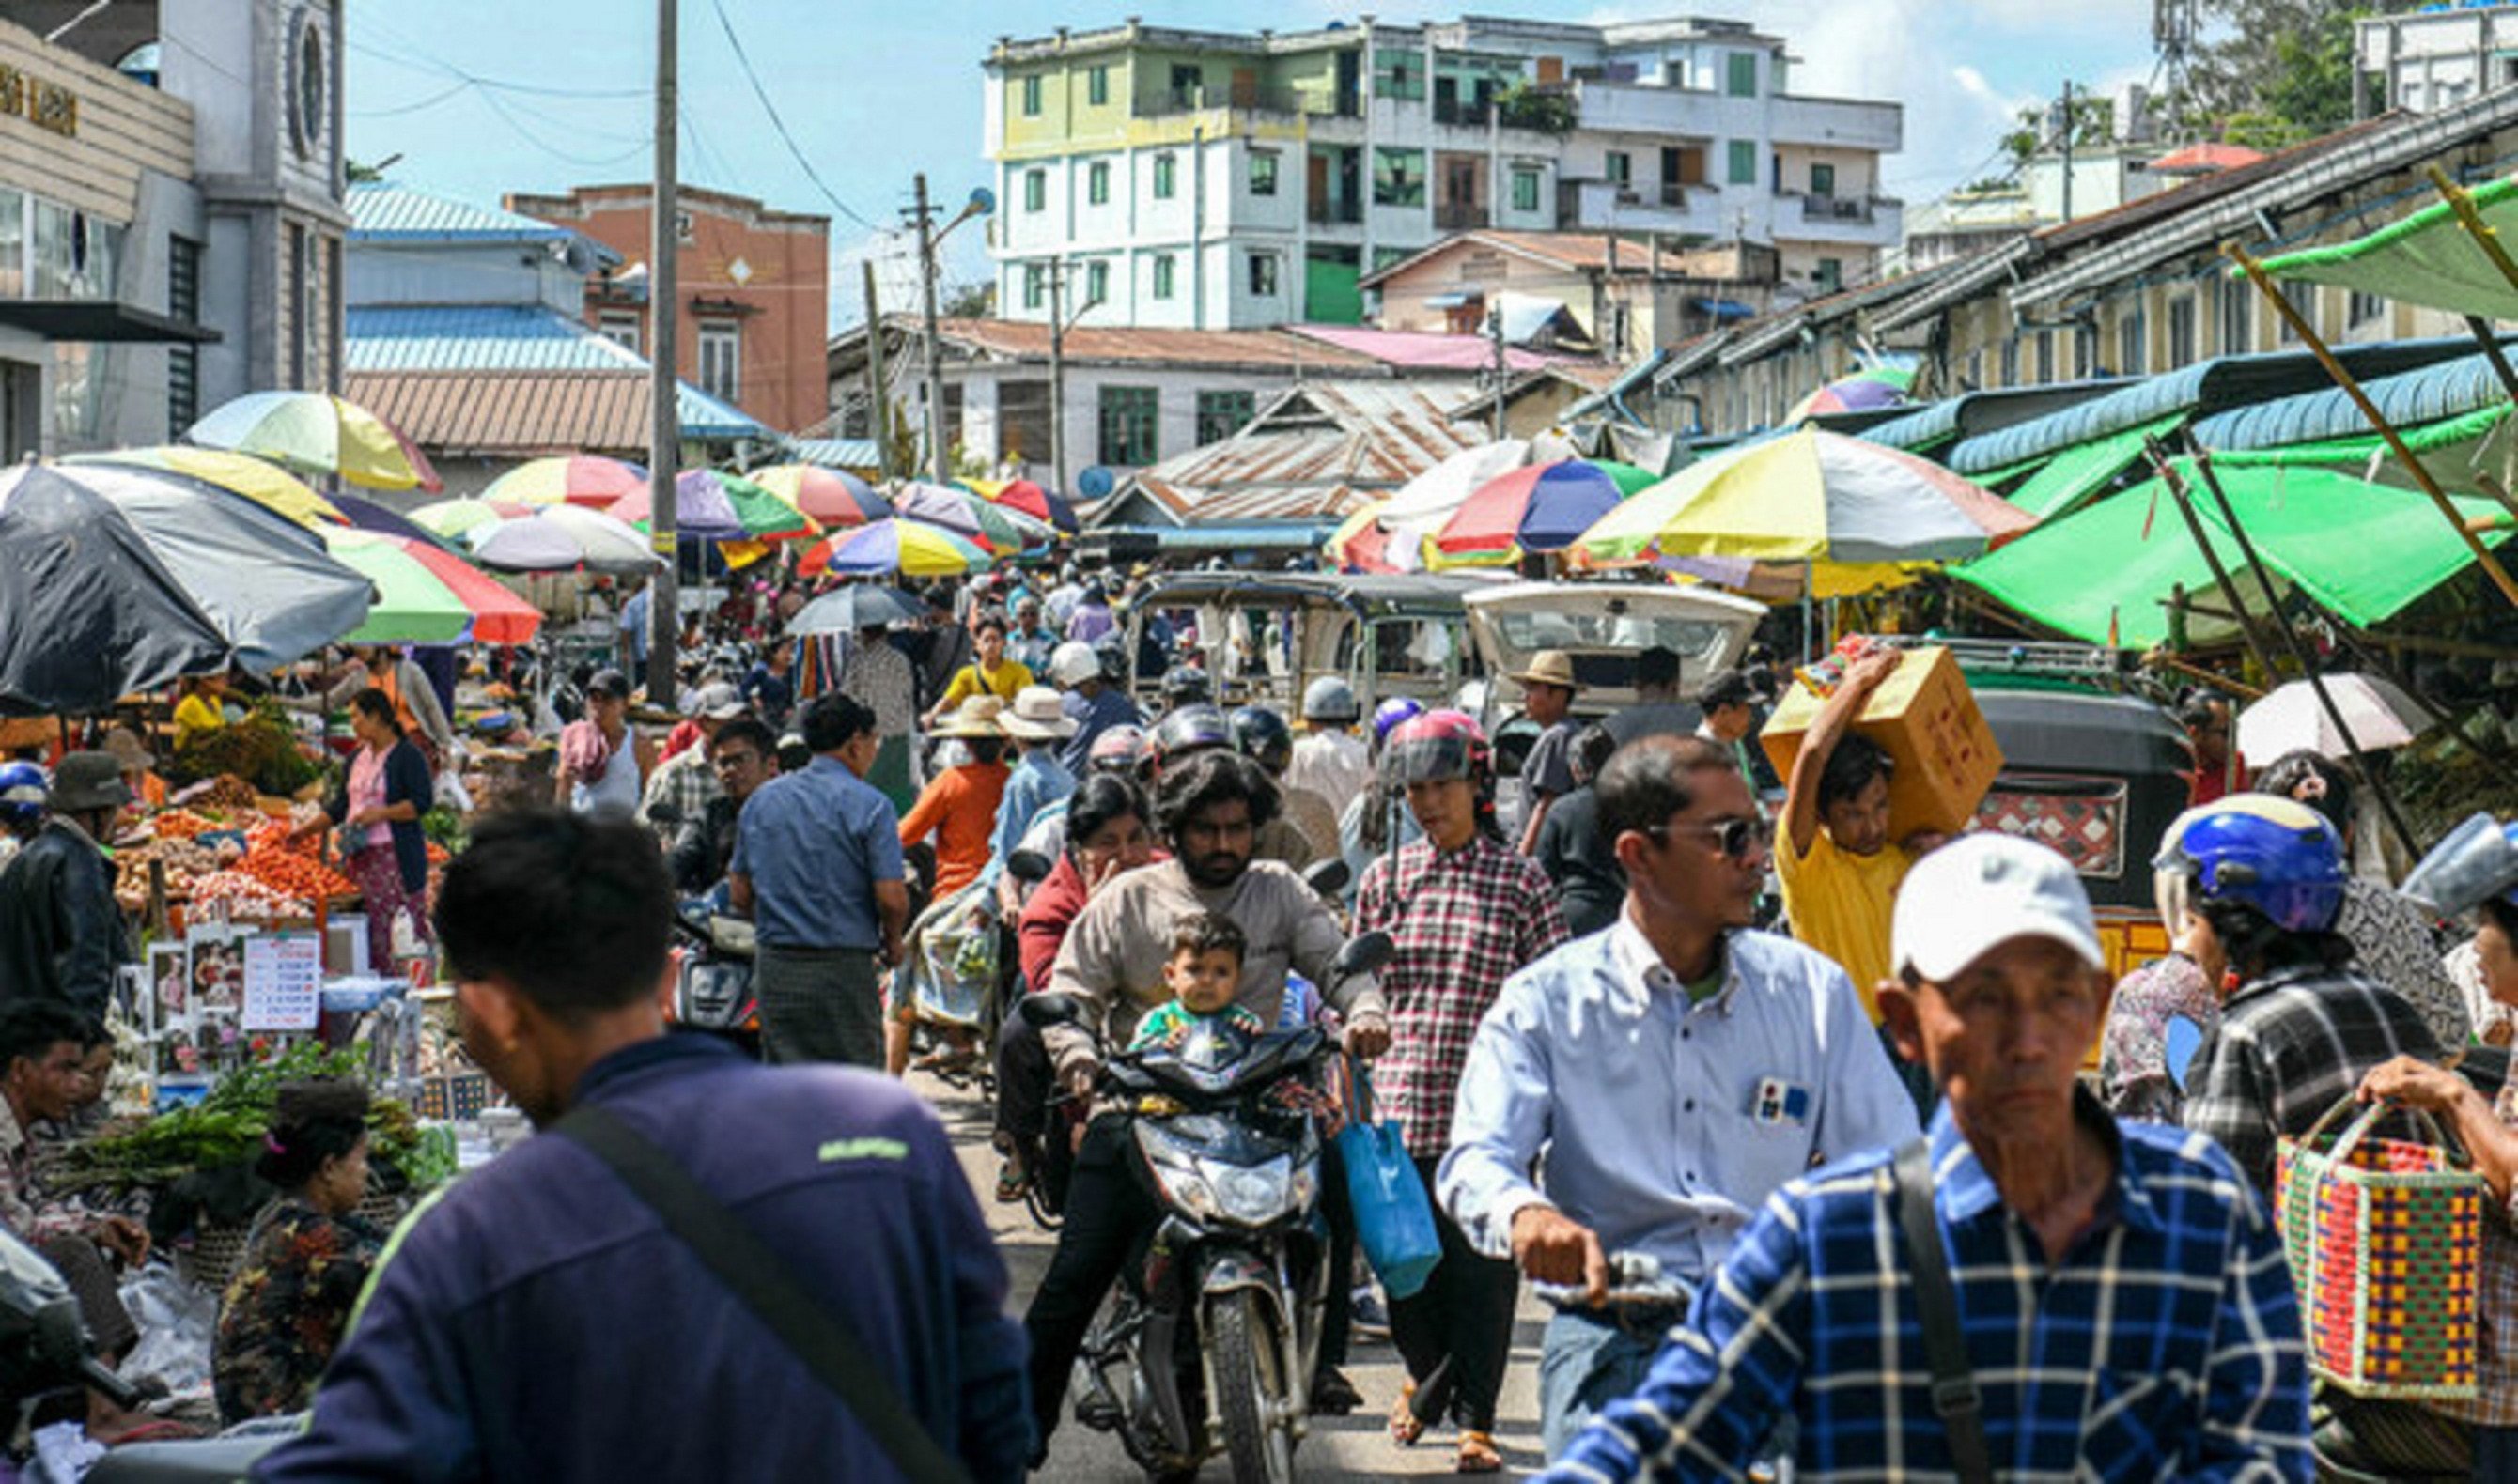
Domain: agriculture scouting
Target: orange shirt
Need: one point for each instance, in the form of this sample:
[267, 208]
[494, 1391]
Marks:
[960, 809]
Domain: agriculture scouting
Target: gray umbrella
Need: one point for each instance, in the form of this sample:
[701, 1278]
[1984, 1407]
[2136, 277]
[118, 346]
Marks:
[853, 608]
[88, 614]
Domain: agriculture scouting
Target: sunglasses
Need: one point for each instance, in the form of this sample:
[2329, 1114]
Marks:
[1738, 838]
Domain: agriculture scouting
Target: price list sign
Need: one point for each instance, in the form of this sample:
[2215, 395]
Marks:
[284, 982]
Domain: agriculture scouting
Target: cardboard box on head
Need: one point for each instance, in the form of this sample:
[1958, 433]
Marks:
[1924, 716]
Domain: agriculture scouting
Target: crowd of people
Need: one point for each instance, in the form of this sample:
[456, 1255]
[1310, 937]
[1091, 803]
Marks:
[1649, 1008]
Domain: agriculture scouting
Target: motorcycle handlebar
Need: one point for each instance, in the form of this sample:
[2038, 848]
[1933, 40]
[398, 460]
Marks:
[95, 1373]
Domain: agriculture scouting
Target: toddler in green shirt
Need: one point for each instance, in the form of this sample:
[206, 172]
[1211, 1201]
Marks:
[1203, 974]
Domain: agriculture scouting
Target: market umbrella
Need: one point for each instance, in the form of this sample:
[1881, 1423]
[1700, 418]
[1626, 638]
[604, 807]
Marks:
[1865, 391]
[962, 513]
[710, 505]
[1358, 543]
[263, 581]
[2291, 718]
[425, 594]
[858, 606]
[561, 538]
[368, 515]
[88, 614]
[315, 433]
[452, 519]
[907, 547]
[1808, 496]
[569, 479]
[1029, 497]
[263, 482]
[1537, 507]
[832, 496]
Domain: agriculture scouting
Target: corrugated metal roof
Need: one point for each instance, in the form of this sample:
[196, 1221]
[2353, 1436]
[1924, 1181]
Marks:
[387, 211]
[838, 452]
[2449, 389]
[1423, 351]
[476, 337]
[527, 413]
[1272, 349]
[705, 416]
[1972, 413]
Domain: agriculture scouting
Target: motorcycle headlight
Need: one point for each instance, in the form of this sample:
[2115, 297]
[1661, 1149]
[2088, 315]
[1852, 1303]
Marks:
[1178, 1178]
[1252, 1195]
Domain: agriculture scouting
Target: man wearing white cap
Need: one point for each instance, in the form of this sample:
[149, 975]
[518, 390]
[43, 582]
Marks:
[2030, 1291]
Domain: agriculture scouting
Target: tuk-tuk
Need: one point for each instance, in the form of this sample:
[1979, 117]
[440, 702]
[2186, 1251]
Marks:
[1262, 637]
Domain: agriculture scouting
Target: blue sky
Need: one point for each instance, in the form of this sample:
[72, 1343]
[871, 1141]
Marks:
[483, 96]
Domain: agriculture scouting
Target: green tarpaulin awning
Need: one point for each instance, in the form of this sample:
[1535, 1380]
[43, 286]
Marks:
[2106, 573]
[2425, 258]
[2459, 453]
[2076, 473]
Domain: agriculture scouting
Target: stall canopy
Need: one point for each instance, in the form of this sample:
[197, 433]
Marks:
[2427, 258]
[2364, 551]
[2067, 481]
[87, 611]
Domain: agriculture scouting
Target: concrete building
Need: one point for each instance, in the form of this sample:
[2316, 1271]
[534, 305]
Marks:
[1219, 181]
[2432, 56]
[755, 285]
[1623, 297]
[170, 214]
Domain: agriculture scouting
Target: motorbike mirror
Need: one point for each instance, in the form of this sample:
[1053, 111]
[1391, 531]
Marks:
[1042, 1012]
[1365, 953]
[1029, 866]
[1327, 877]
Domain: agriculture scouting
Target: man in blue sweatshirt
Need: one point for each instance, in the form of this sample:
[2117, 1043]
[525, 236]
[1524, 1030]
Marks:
[537, 1320]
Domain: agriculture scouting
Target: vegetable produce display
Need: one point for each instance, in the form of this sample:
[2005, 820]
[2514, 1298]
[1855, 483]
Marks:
[262, 749]
[227, 1128]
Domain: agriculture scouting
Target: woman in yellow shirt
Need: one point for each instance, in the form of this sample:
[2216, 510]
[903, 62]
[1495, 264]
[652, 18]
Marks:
[201, 711]
[991, 674]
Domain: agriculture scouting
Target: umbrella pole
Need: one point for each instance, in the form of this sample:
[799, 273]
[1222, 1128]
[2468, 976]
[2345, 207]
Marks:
[2374, 657]
[2396, 444]
[2300, 656]
[2183, 499]
[1810, 651]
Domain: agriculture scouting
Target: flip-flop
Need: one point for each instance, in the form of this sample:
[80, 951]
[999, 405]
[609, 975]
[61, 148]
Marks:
[1404, 1425]
[1478, 1454]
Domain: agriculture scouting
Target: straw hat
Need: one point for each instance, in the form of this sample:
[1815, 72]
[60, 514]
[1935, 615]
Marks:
[1551, 668]
[1037, 715]
[974, 717]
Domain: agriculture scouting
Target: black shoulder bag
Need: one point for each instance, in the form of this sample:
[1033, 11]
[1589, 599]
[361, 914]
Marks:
[1955, 1398]
[768, 1286]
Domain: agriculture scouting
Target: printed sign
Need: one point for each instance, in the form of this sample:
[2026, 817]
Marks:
[284, 982]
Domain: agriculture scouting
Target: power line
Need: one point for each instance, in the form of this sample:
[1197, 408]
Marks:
[780, 124]
[430, 101]
[417, 60]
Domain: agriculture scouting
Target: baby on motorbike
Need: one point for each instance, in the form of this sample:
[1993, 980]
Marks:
[1203, 974]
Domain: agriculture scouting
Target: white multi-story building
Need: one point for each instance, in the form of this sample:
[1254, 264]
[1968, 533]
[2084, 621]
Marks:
[1215, 180]
[2434, 55]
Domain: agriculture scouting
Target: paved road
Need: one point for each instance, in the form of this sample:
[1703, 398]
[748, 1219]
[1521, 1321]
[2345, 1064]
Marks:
[1339, 1448]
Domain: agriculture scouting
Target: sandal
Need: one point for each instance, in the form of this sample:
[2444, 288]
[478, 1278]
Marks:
[1013, 1178]
[1406, 1428]
[1478, 1454]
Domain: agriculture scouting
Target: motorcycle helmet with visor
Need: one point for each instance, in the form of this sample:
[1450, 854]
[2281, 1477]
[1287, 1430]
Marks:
[1437, 747]
[2471, 864]
[24, 792]
[2276, 858]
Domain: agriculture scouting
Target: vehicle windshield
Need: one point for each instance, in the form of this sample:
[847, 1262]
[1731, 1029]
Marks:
[1604, 643]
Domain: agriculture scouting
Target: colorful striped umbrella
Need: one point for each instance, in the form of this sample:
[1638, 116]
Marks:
[1866, 390]
[1028, 497]
[561, 538]
[963, 513]
[832, 496]
[907, 547]
[571, 478]
[313, 433]
[452, 519]
[1537, 507]
[426, 595]
[264, 483]
[1360, 544]
[710, 505]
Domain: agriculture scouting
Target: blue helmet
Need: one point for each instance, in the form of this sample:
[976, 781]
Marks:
[1390, 713]
[23, 791]
[2279, 859]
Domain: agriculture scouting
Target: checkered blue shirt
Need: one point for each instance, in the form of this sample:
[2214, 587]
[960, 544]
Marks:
[2166, 1345]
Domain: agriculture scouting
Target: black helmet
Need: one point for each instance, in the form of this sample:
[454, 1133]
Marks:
[1184, 730]
[1262, 735]
[1185, 685]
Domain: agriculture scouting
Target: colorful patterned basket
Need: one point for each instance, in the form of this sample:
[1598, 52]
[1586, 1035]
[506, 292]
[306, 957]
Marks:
[2384, 1239]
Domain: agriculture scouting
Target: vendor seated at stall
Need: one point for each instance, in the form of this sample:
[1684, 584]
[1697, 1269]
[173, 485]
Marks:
[202, 709]
[306, 1258]
[44, 1077]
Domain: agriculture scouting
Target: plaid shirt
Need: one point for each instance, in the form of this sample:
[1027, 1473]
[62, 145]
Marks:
[1462, 923]
[685, 781]
[2166, 1345]
[2289, 1046]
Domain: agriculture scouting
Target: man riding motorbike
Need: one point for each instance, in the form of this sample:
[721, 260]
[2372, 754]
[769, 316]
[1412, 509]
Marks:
[1209, 810]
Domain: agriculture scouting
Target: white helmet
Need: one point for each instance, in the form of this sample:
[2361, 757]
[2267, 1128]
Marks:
[1074, 662]
[1330, 698]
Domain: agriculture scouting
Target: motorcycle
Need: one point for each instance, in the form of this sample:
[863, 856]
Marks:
[712, 975]
[1210, 1344]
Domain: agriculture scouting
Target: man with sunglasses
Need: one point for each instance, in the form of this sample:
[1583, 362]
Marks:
[742, 757]
[1677, 1069]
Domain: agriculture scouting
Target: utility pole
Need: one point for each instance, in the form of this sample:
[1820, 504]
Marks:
[880, 419]
[2068, 132]
[936, 457]
[665, 429]
[1057, 375]
[1494, 329]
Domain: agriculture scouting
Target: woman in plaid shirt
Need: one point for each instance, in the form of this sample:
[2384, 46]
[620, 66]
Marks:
[1466, 912]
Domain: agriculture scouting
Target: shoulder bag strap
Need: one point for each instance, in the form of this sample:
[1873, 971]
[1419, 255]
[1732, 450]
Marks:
[766, 1284]
[1955, 1398]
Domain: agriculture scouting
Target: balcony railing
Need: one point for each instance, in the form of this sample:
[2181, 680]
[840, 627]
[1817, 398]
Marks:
[1451, 110]
[1460, 216]
[1332, 213]
[1853, 209]
[1248, 100]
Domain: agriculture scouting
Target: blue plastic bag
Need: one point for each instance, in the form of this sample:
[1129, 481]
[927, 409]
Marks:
[1394, 1221]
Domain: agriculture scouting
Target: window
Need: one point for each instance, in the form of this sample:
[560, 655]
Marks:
[2045, 356]
[1221, 414]
[2011, 362]
[722, 359]
[13, 245]
[1743, 81]
[2131, 343]
[1263, 275]
[1524, 191]
[2302, 298]
[1097, 183]
[1164, 268]
[1189, 81]
[1035, 284]
[183, 360]
[1398, 177]
[1830, 274]
[621, 327]
[1263, 172]
[1743, 162]
[301, 293]
[1097, 284]
[1022, 420]
[1620, 167]
[1128, 419]
[1035, 190]
[1031, 97]
[1383, 256]
[1166, 176]
[1822, 180]
[2180, 331]
[2237, 317]
[1399, 74]
[2363, 308]
[1097, 86]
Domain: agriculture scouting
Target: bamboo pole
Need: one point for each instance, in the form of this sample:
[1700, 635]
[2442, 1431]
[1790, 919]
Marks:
[2404, 455]
[2182, 499]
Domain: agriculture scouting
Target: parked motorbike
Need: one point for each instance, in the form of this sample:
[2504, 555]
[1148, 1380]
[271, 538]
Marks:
[713, 988]
[1210, 1344]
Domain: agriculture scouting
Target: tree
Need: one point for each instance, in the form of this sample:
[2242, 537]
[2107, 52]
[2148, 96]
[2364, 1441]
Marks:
[1524, 106]
[2094, 125]
[2296, 87]
[971, 301]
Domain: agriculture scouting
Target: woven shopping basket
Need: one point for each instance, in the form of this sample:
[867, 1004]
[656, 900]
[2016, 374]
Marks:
[2384, 1237]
